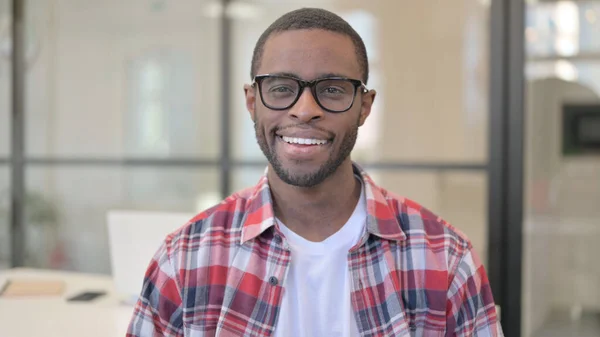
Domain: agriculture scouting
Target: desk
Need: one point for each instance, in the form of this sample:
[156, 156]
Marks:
[54, 316]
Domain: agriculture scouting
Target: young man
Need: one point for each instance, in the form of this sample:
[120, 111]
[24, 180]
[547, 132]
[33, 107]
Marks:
[316, 248]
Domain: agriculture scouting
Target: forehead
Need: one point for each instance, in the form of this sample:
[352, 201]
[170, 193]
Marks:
[310, 54]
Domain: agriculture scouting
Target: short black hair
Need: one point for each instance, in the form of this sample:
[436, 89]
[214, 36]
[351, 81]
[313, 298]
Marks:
[312, 18]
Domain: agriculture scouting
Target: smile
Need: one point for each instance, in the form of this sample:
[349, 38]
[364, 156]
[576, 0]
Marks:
[297, 148]
[304, 141]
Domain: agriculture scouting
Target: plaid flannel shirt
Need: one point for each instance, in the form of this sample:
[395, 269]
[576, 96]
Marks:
[412, 273]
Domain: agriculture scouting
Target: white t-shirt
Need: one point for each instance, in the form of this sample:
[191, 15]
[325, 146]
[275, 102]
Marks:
[316, 299]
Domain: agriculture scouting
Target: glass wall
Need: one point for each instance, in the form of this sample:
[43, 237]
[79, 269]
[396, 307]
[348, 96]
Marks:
[110, 82]
[66, 209]
[561, 281]
[107, 83]
[114, 80]
[5, 108]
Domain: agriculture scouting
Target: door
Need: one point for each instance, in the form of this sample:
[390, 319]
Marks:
[561, 229]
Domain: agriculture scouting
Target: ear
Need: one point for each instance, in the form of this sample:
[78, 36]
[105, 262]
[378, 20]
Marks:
[368, 99]
[250, 94]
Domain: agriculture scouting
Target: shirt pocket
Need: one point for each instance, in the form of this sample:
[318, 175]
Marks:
[195, 330]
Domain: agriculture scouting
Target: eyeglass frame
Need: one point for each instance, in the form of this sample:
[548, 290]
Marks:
[312, 86]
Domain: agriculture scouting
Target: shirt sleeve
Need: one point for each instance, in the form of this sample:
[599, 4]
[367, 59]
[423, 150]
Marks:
[471, 311]
[158, 311]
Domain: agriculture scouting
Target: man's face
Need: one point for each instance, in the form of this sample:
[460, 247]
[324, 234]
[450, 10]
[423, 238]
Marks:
[305, 144]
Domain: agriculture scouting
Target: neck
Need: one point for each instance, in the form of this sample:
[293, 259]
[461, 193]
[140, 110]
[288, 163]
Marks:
[319, 211]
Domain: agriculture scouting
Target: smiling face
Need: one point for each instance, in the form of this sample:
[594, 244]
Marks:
[306, 144]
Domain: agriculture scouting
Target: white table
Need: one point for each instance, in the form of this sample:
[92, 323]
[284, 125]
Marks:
[54, 316]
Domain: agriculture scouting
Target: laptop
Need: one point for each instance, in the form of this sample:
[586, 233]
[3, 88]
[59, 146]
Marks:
[134, 237]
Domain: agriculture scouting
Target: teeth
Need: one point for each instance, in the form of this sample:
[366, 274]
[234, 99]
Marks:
[304, 141]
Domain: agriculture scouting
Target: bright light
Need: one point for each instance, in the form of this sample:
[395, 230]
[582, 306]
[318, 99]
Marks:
[566, 17]
[566, 70]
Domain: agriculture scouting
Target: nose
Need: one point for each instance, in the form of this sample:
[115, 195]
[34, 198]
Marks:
[306, 108]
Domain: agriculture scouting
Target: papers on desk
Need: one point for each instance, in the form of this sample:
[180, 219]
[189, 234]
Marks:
[23, 287]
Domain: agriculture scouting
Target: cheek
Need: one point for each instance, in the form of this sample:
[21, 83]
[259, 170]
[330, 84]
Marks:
[348, 124]
[263, 123]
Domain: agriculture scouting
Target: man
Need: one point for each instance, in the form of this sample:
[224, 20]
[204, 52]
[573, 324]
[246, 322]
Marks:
[316, 248]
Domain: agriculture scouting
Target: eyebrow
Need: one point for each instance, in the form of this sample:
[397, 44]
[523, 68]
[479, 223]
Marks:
[323, 75]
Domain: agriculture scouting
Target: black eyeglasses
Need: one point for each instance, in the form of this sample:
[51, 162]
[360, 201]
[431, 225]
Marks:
[333, 94]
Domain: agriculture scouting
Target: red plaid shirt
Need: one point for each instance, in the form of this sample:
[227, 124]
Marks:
[413, 274]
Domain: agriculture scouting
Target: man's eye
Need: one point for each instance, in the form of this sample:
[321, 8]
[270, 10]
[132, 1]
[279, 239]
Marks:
[333, 90]
[280, 89]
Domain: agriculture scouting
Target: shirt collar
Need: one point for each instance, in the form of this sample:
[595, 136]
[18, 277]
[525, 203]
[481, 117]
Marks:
[382, 219]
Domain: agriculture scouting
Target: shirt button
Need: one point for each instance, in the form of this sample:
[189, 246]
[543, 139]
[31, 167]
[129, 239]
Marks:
[273, 280]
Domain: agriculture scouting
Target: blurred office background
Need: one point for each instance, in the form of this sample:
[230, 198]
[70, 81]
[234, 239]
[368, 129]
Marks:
[139, 105]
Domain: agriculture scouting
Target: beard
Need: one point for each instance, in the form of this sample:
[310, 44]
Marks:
[310, 179]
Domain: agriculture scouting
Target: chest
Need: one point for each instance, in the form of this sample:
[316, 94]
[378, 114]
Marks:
[387, 295]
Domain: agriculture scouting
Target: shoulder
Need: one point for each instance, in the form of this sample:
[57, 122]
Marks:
[425, 229]
[416, 219]
[221, 222]
[421, 226]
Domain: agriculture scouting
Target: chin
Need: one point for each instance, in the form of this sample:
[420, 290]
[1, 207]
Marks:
[298, 168]
[302, 174]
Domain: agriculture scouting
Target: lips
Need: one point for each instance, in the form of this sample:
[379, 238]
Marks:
[304, 136]
[303, 148]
